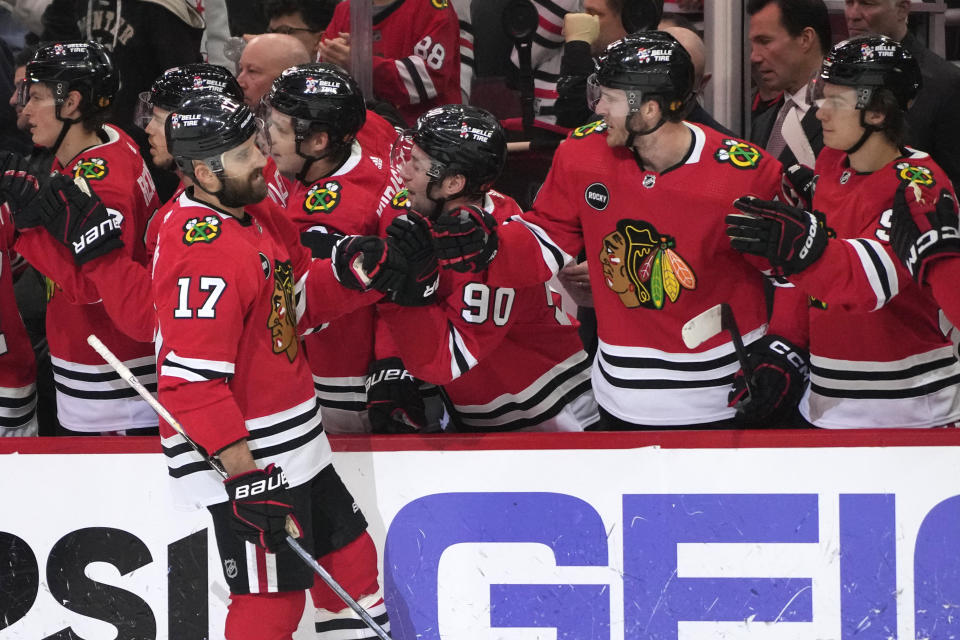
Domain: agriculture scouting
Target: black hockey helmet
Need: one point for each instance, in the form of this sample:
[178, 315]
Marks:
[206, 126]
[462, 139]
[641, 15]
[872, 62]
[175, 84]
[322, 96]
[645, 65]
[80, 66]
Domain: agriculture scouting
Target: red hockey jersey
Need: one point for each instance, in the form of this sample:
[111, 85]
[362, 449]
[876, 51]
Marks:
[508, 358]
[91, 396]
[657, 256]
[878, 356]
[347, 202]
[18, 369]
[416, 53]
[229, 295]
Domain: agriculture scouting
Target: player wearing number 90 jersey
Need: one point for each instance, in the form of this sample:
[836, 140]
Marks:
[507, 357]
[416, 53]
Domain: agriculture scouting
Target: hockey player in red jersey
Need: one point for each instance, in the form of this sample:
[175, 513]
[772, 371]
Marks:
[231, 296]
[67, 90]
[643, 192]
[416, 52]
[508, 358]
[878, 356]
[313, 117]
[18, 368]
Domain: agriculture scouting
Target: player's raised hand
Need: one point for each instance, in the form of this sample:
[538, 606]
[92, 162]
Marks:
[465, 238]
[917, 248]
[411, 235]
[18, 186]
[367, 262]
[789, 237]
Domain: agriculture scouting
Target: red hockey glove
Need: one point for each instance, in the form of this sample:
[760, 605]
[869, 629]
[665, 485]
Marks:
[779, 379]
[940, 237]
[411, 236]
[366, 262]
[466, 239]
[262, 507]
[394, 403]
[790, 238]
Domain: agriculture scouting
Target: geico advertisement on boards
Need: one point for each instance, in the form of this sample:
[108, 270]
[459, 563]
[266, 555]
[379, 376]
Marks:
[639, 544]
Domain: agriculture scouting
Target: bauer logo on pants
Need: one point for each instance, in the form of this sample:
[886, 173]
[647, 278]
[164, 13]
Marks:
[597, 196]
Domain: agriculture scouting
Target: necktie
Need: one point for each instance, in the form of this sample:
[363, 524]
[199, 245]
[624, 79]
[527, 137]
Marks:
[776, 143]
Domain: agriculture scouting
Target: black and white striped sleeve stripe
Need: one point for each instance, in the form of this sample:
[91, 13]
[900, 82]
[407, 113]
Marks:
[195, 369]
[879, 268]
[461, 360]
[553, 256]
[416, 79]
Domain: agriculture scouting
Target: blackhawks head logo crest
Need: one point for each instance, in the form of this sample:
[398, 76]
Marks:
[401, 200]
[322, 198]
[594, 127]
[282, 320]
[91, 169]
[205, 230]
[641, 266]
[742, 155]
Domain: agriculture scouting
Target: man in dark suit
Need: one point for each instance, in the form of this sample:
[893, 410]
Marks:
[788, 39]
[932, 125]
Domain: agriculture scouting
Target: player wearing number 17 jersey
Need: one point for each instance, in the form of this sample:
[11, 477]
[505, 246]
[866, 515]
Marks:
[508, 358]
[416, 53]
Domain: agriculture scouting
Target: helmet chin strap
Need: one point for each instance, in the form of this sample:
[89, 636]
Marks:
[868, 130]
[633, 134]
[64, 129]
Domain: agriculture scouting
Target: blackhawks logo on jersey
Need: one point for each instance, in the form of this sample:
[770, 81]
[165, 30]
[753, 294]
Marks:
[742, 155]
[91, 169]
[594, 127]
[322, 198]
[206, 230]
[401, 200]
[282, 320]
[914, 175]
[440, 4]
[641, 266]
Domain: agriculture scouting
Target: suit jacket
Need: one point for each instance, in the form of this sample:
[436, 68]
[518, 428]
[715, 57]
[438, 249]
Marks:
[763, 127]
[932, 122]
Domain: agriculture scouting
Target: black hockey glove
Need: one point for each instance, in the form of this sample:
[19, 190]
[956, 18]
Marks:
[465, 238]
[262, 507]
[790, 238]
[320, 243]
[18, 187]
[394, 403]
[917, 247]
[411, 236]
[366, 262]
[779, 378]
[798, 184]
[77, 218]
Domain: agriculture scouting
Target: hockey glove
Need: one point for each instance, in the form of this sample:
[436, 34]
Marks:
[77, 218]
[798, 183]
[779, 379]
[410, 235]
[918, 248]
[261, 507]
[465, 238]
[367, 262]
[394, 403]
[790, 238]
[320, 243]
[18, 187]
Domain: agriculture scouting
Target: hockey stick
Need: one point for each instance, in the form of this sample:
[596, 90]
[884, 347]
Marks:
[161, 411]
[704, 326]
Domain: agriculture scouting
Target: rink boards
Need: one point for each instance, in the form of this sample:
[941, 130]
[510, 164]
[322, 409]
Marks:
[686, 536]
